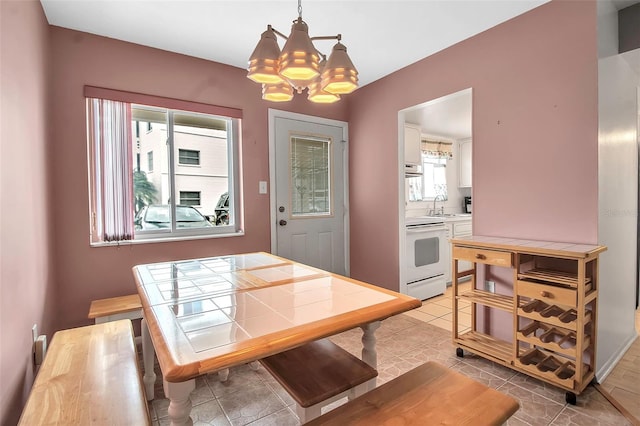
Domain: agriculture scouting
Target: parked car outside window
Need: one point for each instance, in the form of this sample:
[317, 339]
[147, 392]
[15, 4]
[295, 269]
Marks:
[222, 210]
[158, 216]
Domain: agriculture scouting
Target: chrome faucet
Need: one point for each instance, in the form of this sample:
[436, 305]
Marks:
[434, 212]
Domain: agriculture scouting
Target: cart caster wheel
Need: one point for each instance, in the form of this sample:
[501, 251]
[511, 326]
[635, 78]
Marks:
[459, 353]
[570, 397]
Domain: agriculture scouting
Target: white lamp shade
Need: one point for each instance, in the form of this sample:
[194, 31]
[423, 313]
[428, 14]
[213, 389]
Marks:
[299, 58]
[280, 92]
[317, 95]
[264, 62]
[340, 75]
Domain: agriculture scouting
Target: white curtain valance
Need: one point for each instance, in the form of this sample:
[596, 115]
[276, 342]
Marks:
[437, 149]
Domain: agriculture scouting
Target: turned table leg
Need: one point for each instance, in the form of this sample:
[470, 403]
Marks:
[369, 354]
[179, 401]
[148, 355]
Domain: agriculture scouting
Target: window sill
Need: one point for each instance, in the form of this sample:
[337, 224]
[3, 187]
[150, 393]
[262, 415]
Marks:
[239, 233]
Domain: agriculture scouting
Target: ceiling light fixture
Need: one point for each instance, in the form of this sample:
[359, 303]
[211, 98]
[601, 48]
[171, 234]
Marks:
[301, 66]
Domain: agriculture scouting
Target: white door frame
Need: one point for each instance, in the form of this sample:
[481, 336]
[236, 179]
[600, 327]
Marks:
[273, 114]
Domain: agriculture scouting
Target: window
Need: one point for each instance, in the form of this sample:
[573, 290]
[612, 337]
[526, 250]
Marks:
[433, 181]
[187, 156]
[128, 202]
[310, 178]
[190, 198]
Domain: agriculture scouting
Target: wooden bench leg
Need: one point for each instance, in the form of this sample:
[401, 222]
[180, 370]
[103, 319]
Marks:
[309, 413]
[180, 402]
[148, 359]
[223, 375]
[358, 390]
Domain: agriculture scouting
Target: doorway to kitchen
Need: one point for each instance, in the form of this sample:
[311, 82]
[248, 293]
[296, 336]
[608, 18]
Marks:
[435, 159]
[309, 198]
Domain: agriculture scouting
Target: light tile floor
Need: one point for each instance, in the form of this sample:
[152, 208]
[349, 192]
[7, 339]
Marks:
[405, 341]
[623, 383]
[437, 311]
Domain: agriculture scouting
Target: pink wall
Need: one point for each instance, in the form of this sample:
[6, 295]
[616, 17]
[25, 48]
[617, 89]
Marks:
[85, 273]
[27, 293]
[535, 173]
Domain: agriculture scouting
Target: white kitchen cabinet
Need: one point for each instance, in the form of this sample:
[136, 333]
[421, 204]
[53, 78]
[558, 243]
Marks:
[457, 228]
[412, 148]
[464, 163]
[447, 274]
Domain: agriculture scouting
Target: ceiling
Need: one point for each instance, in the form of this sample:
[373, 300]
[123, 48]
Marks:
[381, 36]
[448, 116]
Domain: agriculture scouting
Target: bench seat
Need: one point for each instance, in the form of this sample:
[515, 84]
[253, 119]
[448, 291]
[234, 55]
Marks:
[317, 374]
[115, 308]
[89, 376]
[430, 394]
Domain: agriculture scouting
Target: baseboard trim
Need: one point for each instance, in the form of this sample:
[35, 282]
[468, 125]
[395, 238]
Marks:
[608, 367]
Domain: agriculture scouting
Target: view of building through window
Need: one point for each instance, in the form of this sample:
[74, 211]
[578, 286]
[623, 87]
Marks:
[197, 174]
[156, 172]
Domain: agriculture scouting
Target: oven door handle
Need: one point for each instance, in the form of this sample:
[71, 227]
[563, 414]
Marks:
[422, 230]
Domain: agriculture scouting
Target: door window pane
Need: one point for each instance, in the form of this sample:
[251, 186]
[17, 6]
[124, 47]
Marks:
[310, 176]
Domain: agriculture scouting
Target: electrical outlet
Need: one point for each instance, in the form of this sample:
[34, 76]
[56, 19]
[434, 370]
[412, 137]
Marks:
[490, 286]
[34, 332]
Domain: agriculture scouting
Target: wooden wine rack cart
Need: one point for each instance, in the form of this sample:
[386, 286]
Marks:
[553, 304]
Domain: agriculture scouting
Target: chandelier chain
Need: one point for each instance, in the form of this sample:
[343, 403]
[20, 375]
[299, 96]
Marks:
[299, 8]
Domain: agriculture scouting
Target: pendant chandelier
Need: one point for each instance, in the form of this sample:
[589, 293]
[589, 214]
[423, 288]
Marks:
[301, 66]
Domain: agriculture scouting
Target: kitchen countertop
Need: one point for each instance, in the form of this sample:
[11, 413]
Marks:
[458, 217]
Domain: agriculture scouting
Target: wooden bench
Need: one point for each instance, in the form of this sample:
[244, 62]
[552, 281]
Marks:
[89, 376]
[317, 374]
[116, 308]
[430, 394]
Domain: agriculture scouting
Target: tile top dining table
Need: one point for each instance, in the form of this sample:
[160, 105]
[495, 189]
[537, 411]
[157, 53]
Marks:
[206, 315]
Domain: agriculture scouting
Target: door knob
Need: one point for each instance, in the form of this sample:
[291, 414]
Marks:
[282, 222]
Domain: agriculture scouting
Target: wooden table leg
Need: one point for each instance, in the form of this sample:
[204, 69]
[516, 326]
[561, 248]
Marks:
[179, 401]
[369, 354]
[148, 359]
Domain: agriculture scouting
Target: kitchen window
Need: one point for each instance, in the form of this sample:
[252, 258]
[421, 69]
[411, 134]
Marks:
[128, 202]
[433, 181]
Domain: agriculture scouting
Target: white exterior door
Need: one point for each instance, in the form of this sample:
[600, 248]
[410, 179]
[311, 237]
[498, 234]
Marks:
[308, 160]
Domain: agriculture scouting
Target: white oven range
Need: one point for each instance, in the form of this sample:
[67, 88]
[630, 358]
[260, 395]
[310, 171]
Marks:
[426, 257]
